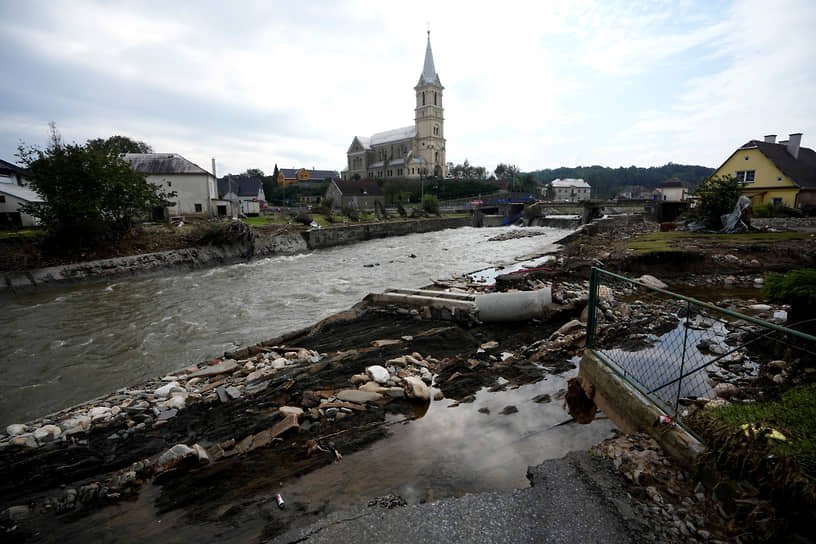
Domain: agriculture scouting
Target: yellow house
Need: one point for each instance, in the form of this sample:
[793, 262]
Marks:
[287, 176]
[781, 173]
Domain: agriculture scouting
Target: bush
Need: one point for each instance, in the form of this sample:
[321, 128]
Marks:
[303, 218]
[430, 203]
[401, 210]
[797, 288]
[350, 212]
[718, 196]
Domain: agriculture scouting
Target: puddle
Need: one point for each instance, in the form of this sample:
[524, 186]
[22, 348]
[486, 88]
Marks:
[452, 451]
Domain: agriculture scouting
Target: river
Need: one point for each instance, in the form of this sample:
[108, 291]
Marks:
[69, 345]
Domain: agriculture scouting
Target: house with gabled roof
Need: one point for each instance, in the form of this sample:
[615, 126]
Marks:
[241, 190]
[361, 194]
[195, 188]
[568, 190]
[413, 151]
[782, 173]
[11, 173]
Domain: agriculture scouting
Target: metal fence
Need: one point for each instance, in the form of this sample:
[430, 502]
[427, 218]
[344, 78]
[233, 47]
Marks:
[680, 351]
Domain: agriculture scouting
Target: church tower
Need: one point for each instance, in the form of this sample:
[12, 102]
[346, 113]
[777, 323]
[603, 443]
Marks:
[429, 143]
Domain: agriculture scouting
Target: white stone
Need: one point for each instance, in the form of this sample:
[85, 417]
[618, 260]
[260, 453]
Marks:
[278, 363]
[378, 373]
[651, 281]
[288, 410]
[175, 402]
[759, 307]
[76, 424]
[15, 428]
[203, 456]
[569, 327]
[98, 413]
[165, 390]
[47, 432]
[415, 388]
[357, 397]
[174, 455]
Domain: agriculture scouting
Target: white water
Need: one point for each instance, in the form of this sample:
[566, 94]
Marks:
[66, 346]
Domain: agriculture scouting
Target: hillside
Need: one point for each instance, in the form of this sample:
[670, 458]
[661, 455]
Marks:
[608, 182]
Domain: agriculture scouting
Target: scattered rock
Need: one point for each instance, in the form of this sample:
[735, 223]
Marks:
[357, 396]
[507, 410]
[378, 373]
[227, 366]
[415, 388]
[726, 390]
[651, 281]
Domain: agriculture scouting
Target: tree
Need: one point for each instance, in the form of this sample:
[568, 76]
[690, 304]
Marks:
[254, 173]
[797, 288]
[91, 195]
[118, 144]
[430, 203]
[506, 172]
[270, 184]
[717, 197]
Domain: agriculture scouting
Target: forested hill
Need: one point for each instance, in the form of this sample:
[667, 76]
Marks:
[608, 182]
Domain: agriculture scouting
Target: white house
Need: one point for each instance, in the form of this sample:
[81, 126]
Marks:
[568, 190]
[196, 190]
[11, 198]
[242, 190]
[673, 190]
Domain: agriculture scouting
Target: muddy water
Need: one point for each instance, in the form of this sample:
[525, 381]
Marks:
[62, 347]
[449, 451]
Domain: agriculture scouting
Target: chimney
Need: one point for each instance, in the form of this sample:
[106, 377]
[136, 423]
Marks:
[793, 144]
[770, 139]
[213, 165]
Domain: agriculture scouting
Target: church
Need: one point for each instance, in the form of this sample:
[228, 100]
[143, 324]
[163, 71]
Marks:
[409, 152]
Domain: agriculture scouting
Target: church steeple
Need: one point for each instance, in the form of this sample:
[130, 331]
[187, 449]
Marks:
[429, 75]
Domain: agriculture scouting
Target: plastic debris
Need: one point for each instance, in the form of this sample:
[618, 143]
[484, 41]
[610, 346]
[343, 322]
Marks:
[279, 500]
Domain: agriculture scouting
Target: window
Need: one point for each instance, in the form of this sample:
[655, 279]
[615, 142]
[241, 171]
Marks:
[199, 208]
[779, 179]
[746, 176]
[423, 98]
[776, 201]
[434, 98]
[2, 198]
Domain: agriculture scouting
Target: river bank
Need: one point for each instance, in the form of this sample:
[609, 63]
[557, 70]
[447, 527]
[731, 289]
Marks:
[194, 448]
[240, 246]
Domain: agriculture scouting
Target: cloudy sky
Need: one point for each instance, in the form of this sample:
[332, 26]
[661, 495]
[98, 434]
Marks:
[539, 84]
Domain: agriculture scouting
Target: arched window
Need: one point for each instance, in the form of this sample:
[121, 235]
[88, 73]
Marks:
[423, 98]
[434, 98]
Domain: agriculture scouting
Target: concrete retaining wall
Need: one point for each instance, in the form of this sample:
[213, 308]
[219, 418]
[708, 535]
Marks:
[336, 236]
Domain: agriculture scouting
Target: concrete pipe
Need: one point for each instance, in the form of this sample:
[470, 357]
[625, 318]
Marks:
[516, 306]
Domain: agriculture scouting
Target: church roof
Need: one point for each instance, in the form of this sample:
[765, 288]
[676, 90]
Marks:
[429, 74]
[404, 133]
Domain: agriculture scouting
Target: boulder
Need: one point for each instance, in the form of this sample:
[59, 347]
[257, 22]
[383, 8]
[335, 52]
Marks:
[378, 373]
[47, 433]
[651, 281]
[99, 413]
[726, 390]
[415, 388]
[165, 390]
[15, 429]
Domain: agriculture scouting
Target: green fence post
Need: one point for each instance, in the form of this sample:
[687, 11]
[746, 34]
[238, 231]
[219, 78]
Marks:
[682, 359]
[592, 305]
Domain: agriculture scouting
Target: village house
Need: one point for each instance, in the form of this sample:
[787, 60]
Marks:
[409, 152]
[13, 196]
[568, 190]
[244, 191]
[287, 176]
[196, 191]
[781, 174]
[359, 194]
[673, 190]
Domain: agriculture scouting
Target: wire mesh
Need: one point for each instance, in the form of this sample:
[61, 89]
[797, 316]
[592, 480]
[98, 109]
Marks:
[683, 354]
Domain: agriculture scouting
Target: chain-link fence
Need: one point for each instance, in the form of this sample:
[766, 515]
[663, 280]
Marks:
[683, 353]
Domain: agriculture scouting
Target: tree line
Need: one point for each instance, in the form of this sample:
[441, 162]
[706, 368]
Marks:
[609, 182]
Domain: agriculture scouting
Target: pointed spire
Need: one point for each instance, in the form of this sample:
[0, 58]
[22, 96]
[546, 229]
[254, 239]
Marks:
[428, 70]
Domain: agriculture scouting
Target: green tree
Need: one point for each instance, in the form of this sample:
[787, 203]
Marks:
[717, 197]
[117, 144]
[797, 288]
[270, 184]
[91, 195]
[254, 173]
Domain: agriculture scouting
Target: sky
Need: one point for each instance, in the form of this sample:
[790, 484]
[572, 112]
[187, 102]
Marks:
[537, 84]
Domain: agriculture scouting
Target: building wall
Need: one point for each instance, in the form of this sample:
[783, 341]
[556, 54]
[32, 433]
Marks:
[12, 204]
[674, 194]
[191, 189]
[769, 183]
